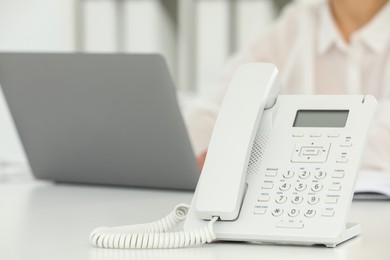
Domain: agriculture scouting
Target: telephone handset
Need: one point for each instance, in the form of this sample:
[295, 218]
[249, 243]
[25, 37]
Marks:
[279, 169]
[253, 88]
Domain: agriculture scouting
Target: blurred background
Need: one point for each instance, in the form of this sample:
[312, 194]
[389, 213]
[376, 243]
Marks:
[195, 36]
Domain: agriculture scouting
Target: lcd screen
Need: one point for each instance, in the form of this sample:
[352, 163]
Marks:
[321, 118]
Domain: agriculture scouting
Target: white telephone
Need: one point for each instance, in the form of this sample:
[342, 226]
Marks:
[279, 169]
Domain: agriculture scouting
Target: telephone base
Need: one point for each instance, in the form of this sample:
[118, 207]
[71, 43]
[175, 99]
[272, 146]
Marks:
[351, 230]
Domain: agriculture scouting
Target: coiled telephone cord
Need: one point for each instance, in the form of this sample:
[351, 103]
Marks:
[154, 234]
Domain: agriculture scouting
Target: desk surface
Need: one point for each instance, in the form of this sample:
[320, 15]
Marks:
[40, 220]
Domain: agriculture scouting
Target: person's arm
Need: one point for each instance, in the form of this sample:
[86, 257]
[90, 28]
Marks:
[377, 153]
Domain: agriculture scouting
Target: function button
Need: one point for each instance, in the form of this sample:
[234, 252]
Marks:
[297, 199]
[288, 174]
[258, 210]
[284, 224]
[331, 200]
[298, 134]
[333, 135]
[315, 135]
[293, 212]
[313, 200]
[267, 185]
[338, 174]
[300, 187]
[285, 186]
[309, 213]
[304, 174]
[319, 174]
[271, 173]
[281, 199]
[328, 213]
[263, 198]
[316, 187]
[335, 187]
[342, 160]
[277, 212]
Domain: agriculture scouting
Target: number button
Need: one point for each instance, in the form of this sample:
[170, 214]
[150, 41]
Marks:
[293, 212]
[277, 212]
[288, 174]
[319, 174]
[310, 213]
[313, 200]
[304, 174]
[285, 186]
[300, 187]
[317, 187]
[297, 199]
[281, 199]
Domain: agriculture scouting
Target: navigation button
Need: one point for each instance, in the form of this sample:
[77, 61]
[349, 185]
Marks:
[310, 151]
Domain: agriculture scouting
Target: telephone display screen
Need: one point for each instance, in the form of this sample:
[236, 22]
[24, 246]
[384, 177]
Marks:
[321, 118]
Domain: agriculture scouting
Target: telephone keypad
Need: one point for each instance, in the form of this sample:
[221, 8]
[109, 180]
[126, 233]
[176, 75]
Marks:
[285, 186]
[301, 193]
[319, 175]
[304, 174]
[281, 199]
[293, 212]
[308, 189]
[300, 187]
[297, 199]
[277, 212]
[288, 174]
[310, 213]
[317, 187]
[313, 200]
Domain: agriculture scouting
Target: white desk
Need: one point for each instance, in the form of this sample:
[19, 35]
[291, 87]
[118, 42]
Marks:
[39, 220]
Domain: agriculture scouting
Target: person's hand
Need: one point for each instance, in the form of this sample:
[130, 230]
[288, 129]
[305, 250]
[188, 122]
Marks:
[201, 160]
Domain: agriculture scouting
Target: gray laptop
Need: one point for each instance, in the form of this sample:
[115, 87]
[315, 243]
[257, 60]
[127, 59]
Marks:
[99, 118]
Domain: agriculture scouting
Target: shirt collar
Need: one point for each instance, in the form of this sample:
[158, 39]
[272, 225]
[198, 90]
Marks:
[374, 34]
[329, 34]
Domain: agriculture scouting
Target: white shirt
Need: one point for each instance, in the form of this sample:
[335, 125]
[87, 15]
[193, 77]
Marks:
[312, 57]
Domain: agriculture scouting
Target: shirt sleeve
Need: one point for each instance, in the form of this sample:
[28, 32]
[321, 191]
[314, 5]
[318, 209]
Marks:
[377, 153]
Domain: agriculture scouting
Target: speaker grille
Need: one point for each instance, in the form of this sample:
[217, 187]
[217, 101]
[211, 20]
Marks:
[257, 154]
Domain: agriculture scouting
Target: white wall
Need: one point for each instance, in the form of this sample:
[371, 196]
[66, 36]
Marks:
[195, 49]
[33, 25]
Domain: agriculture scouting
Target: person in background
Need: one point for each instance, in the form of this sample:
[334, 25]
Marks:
[326, 47]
